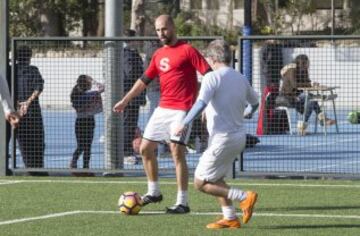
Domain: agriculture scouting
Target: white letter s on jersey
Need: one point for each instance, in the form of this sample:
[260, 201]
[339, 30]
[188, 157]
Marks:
[164, 64]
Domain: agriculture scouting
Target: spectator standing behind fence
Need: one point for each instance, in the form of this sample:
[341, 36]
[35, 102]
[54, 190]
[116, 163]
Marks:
[87, 102]
[224, 93]
[10, 115]
[133, 69]
[294, 76]
[175, 63]
[30, 133]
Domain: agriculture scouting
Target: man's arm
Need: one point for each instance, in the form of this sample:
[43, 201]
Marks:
[196, 109]
[5, 97]
[136, 89]
[253, 110]
[253, 99]
[99, 86]
[5, 100]
[207, 90]
[24, 106]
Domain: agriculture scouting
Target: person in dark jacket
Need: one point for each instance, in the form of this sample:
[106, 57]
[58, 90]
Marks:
[87, 102]
[133, 69]
[30, 133]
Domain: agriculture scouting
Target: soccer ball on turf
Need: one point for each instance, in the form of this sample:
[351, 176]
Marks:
[130, 203]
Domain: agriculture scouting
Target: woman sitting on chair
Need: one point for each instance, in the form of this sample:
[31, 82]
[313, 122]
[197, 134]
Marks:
[294, 76]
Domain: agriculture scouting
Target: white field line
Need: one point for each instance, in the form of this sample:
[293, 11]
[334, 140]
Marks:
[61, 214]
[254, 214]
[174, 183]
[21, 220]
[4, 182]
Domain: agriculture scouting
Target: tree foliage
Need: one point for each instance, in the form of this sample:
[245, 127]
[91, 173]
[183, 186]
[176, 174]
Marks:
[270, 20]
[188, 25]
[354, 18]
[60, 17]
[30, 17]
[23, 18]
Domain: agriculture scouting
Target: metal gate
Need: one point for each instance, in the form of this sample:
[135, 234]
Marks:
[323, 139]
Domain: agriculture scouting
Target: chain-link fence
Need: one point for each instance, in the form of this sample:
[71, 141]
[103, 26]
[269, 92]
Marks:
[307, 122]
[309, 114]
[66, 88]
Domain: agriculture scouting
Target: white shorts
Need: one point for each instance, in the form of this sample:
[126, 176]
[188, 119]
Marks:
[162, 123]
[216, 162]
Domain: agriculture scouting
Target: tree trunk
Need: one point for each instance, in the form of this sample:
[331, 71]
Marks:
[175, 8]
[51, 23]
[90, 23]
[138, 16]
[101, 18]
[269, 13]
[254, 7]
[264, 13]
[230, 17]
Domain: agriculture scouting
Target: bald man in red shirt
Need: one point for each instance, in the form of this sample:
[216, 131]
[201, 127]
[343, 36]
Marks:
[175, 64]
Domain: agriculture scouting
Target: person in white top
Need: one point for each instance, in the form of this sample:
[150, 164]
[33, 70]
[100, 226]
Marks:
[10, 115]
[224, 93]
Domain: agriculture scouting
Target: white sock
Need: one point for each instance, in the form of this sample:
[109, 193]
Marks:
[229, 212]
[236, 194]
[182, 198]
[153, 188]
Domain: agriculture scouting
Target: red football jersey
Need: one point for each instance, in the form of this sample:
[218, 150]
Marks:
[176, 67]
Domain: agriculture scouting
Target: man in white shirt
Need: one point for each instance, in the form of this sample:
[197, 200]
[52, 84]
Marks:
[224, 93]
[10, 115]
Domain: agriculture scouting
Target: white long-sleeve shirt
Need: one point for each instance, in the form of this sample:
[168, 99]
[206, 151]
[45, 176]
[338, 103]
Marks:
[227, 92]
[5, 97]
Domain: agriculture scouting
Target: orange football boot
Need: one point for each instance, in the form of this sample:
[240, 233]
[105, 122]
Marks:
[224, 223]
[247, 206]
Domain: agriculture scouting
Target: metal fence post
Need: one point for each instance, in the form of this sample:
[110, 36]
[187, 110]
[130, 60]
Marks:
[3, 72]
[113, 123]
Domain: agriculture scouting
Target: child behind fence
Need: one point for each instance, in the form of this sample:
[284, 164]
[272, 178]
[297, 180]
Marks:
[87, 103]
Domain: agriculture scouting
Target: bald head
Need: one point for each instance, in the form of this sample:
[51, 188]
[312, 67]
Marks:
[166, 19]
[165, 29]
